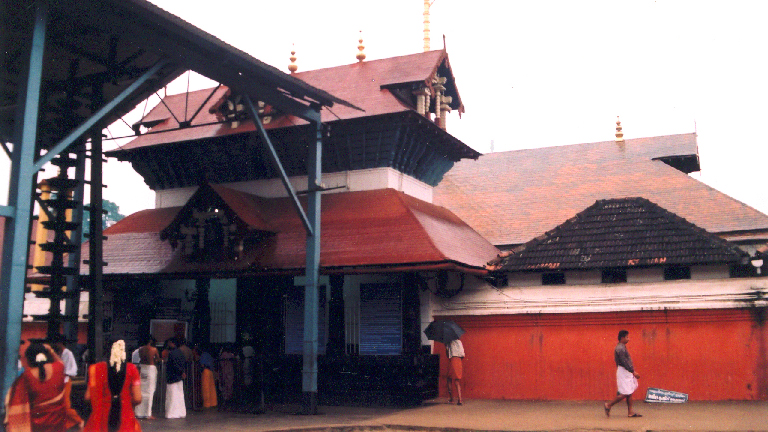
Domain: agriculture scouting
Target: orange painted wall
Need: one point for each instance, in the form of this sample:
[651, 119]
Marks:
[38, 330]
[710, 354]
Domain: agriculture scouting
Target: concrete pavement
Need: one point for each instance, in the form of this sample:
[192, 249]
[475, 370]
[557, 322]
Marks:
[484, 415]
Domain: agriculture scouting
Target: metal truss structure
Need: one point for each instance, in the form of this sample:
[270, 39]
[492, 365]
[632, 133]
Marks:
[67, 70]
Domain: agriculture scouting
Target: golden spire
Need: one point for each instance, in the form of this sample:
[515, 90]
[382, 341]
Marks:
[619, 133]
[361, 55]
[427, 4]
[293, 67]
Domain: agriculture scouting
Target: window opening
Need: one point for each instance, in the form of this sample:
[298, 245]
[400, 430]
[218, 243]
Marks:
[553, 278]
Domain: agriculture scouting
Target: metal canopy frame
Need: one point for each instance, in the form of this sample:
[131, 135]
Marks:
[68, 69]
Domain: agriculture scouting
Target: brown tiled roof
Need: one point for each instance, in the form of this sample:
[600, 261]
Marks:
[626, 232]
[513, 197]
[380, 230]
[361, 84]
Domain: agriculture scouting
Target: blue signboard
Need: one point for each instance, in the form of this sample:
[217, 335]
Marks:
[294, 321]
[665, 396]
[381, 319]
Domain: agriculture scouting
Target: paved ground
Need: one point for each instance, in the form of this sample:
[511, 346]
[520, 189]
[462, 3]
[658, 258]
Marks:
[484, 415]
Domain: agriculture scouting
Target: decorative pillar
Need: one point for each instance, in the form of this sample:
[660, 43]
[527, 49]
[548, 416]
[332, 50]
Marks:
[439, 88]
[445, 108]
[422, 100]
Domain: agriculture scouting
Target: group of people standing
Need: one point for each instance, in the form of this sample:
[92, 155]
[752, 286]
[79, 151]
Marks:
[119, 392]
[178, 359]
[191, 376]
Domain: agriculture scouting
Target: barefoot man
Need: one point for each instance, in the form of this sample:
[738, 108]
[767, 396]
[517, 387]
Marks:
[626, 377]
[148, 359]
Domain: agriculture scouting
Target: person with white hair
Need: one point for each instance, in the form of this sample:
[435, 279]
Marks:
[114, 389]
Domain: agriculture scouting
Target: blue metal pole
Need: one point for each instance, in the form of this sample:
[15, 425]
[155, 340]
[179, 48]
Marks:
[16, 241]
[311, 310]
[278, 165]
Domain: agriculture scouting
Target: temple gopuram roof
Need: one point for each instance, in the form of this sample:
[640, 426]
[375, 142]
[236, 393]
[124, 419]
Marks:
[379, 127]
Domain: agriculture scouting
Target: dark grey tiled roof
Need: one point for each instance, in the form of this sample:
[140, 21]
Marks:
[625, 232]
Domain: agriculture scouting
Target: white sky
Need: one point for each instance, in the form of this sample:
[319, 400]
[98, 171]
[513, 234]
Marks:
[534, 73]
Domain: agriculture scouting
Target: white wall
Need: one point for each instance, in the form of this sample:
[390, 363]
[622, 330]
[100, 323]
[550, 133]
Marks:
[710, 272]
[358, 180]
[681, 294]
[173, 197]
[524, 279]
[583, 277]
[644, 275]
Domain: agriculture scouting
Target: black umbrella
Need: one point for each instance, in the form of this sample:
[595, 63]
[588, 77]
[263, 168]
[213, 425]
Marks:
[443, 331]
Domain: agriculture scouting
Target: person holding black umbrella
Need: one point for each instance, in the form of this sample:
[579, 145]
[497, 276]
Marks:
[448, 333]
[454, 350]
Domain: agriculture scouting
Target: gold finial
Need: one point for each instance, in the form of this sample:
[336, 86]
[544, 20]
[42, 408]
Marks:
[427, 4]
[619, 133]
[361, 55]
[293, 67]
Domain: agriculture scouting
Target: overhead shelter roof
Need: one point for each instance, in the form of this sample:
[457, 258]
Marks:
[96, 49]
[515, 196]
[371, 231]
[622, 233]
[372, 88]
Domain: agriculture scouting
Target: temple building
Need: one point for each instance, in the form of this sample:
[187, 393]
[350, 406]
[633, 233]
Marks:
[541, 255]
[406, 213]
[221, 257]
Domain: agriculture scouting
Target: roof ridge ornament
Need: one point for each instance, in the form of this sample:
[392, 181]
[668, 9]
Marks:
[361, 55]
[293, 67]
[427, 5]
[619, 133]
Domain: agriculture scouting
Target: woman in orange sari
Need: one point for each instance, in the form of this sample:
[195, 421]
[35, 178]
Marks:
[114, 390]
[35, 402]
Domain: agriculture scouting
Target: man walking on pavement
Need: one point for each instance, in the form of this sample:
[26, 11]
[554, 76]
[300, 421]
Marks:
[626, 377]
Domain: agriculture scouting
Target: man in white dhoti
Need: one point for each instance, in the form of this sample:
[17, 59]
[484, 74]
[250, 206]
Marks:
[175, 372]
[148, 359]
[626, 377]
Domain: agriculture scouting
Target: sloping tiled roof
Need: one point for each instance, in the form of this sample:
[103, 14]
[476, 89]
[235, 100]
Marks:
[626, 232]
[359, 83]
[379, 230]
[513, 197]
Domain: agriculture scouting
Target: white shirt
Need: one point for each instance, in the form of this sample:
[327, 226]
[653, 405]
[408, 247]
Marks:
[135, 357]
[70, 365]
[454, 349]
